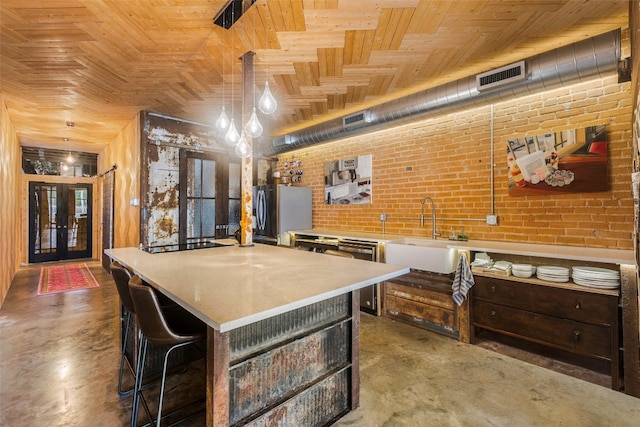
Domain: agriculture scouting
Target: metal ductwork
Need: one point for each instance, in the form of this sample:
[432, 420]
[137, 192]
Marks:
[579, 62]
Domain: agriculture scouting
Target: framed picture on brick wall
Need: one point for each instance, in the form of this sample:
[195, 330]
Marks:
[348, 181]
[571, 161]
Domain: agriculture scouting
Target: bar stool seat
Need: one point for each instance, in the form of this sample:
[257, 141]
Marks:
[174, 327]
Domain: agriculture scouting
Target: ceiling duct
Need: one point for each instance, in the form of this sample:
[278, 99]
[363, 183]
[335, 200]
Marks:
[582, 61]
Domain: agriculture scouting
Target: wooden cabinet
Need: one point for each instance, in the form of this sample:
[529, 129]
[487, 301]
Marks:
[575, 319]
[424, 299]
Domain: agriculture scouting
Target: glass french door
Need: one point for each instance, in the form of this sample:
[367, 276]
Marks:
[59, 221]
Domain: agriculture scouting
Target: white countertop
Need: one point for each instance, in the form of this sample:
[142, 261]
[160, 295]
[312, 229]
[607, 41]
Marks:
[229, 287]
[602, 255]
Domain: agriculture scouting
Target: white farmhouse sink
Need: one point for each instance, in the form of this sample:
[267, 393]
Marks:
[422, 254]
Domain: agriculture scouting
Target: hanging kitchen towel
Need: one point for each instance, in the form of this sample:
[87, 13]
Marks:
[463, 280]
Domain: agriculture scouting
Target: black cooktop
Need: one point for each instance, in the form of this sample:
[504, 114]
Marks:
[182, 247]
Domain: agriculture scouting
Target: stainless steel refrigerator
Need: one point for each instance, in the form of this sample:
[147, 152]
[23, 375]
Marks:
[278, 209]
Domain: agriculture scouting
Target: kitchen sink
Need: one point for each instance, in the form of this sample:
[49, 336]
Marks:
[422, 254]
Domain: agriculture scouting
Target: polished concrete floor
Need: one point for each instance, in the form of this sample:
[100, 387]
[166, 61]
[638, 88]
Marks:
[59, 361]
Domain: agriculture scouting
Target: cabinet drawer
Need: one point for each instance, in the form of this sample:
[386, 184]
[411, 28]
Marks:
[587, 339]
[424, 296]
[565, 303]
[417, 311]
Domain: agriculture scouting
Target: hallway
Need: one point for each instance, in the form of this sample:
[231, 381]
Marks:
[59, 365]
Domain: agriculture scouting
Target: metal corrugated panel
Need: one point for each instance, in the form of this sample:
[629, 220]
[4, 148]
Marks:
[582, 61]
[328, 397]
[273, 377]
[261, 335]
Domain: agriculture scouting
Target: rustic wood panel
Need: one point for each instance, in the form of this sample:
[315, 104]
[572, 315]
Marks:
[11, 251]
[98, 62]
[630, 339]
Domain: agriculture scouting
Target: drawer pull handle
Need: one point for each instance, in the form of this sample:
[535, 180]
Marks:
[493, 289]
[493, 313]
[576, 335]
[578, 305]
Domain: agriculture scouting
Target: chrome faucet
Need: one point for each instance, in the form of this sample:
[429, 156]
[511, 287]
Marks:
[433, 215]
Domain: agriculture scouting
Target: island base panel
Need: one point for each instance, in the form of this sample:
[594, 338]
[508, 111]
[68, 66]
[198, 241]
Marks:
[297, 368]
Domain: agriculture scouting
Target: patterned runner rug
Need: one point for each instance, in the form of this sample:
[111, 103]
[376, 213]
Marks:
[63, 278]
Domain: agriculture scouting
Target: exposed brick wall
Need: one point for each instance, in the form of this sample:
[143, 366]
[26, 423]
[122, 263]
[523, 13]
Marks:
[448, 158]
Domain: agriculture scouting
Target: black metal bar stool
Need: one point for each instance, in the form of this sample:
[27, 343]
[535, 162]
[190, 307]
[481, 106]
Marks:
[174, 327]
[121, 277]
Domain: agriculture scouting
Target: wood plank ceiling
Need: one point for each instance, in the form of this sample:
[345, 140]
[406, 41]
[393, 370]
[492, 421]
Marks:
[96, 63]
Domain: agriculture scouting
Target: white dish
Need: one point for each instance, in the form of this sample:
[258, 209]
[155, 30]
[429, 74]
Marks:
[552, 278]
[597, 270]
[598, 285]
[523, 274]
[553, 270]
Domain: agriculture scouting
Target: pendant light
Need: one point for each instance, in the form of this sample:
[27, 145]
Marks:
[222, 124]
[267, 103]
[242, 148]
[232, 137]
[253, 126]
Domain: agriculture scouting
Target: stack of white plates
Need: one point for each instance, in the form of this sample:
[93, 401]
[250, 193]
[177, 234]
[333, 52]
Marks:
[596, 277]
[552, 273]
[522, 270]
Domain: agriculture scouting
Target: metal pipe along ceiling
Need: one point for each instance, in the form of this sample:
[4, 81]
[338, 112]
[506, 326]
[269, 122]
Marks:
[582, 61]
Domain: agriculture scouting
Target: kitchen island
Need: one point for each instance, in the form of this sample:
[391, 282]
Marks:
[283, 327]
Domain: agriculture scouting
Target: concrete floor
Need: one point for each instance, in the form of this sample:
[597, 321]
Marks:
[59, 364]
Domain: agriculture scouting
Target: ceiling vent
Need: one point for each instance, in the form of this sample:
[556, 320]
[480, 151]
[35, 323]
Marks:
[232, 12]
[353, 120]
[501, 76]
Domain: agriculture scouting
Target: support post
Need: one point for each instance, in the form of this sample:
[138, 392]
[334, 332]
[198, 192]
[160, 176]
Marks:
[246, 185]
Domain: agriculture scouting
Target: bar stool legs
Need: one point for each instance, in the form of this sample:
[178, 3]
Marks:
[121, 277]
[171, 327]
[123, 356]
[138, 396]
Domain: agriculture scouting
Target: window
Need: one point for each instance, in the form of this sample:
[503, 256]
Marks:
[210, 206]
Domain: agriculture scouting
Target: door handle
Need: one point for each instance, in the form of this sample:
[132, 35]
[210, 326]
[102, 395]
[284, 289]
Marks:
[262, 210]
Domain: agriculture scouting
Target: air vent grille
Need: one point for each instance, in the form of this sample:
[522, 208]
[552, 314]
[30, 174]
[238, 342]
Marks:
[501, 76]
[353, 119]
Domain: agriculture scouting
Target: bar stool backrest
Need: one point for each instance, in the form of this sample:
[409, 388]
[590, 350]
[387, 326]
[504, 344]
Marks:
[122, 276]
[151, 320]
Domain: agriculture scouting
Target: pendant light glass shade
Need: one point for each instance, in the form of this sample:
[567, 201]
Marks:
[242, 148]
[267, 102]
[253, 126]
[222, 124]
[232, 136]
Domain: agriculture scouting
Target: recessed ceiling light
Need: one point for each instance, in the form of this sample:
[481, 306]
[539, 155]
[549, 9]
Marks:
[65, 139]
